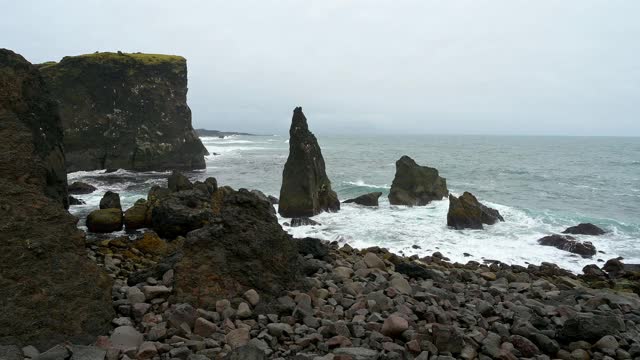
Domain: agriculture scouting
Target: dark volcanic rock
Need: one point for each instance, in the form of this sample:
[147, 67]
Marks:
[104, 220]
[591, 327]
[178, 182]
[584, 229]
[110, 200]
[466, 212]
[304, 221]
[136, 216]
[30, 127]
[570, 244]
[415, 184]
[50, 292]
[79, 187]
[306, 189]
[245, 248]
[313, 247]
[125, 111]
[180, 212]
[370, 199]
[75, 201]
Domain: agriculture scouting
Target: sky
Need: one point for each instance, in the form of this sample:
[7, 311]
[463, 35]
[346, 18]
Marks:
[539, 67]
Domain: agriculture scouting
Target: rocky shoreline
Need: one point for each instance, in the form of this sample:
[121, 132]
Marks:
[207, 272]
[368, 304]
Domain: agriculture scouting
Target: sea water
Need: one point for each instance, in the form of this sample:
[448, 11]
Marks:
[540, 185]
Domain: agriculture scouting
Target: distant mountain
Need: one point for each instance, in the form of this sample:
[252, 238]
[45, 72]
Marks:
[216, 133]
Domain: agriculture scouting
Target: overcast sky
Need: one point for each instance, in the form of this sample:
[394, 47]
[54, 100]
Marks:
[405, 67]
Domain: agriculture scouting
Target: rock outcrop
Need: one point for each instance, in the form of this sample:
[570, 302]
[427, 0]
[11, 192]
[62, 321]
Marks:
[306, 189]
[584, 229]
[125, 111]
[30, 127]
[50, 291]
[570, 244]
[466, 212]
[245, 248]
[416, 185]
[370, 199]
[79, 187]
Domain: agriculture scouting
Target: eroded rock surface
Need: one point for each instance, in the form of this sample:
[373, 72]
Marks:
[466, 212]
[125, 111]
[306, 189]
[416, 185]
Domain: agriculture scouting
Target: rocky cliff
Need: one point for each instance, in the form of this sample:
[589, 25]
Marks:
[30, 128]
[306, 189]
[125, 111]
[49, 290]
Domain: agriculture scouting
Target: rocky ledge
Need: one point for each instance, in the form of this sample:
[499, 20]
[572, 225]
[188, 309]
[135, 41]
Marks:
[125, 111]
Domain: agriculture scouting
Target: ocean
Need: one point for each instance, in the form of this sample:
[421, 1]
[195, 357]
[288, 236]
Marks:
[540, 185]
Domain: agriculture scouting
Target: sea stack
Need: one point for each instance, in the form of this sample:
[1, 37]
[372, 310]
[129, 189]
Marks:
[306, 189]
[416, 185]
[466, 212]
[49, 290]
[126, 111]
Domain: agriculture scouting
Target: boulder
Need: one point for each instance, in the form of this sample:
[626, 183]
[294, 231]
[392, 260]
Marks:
[178, 182]
[136, 216]
[79, 188]
[303, 221]
[181, 212]
[75, 201]
[584, 229]
[416, 185]
[466, 212]
[110, 200]
[570, 244]
[104, 221]
[49, 290]
[370, 199]
[306, 189]
[244, 249]
[314, 247]
[125, 111]
[590, 327]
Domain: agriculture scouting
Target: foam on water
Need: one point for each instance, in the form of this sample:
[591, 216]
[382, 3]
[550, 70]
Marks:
[538, 191]
[400, 228]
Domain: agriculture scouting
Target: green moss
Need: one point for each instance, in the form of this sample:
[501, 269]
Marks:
[147, 59]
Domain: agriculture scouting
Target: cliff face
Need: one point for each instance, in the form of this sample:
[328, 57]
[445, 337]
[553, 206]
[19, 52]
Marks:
[30, 127]
[49, 290]
[125, 111]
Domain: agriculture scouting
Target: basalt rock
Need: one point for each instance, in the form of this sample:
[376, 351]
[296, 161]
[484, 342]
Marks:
[570, 244]
[584, 229]
[370, 199]
[75, 201]
[50, 292]
[110, 200]
[104, 220]
[79, 188]
[181, 212]
[466, 212]
[304, 221]
[306, 189]
[416, 185]
[126, 111]
[244, 249]
[30, 129]
[136, 216]
[178, 182]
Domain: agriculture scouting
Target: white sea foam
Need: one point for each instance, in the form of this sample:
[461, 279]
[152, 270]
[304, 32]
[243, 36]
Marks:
[364, 184]
[399, 228]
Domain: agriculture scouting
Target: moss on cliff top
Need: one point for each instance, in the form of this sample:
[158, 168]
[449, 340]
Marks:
[111, 57]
